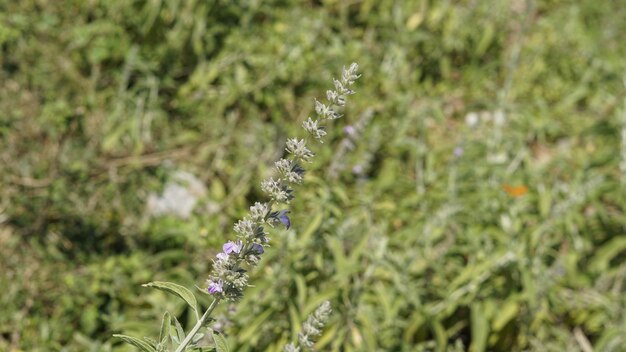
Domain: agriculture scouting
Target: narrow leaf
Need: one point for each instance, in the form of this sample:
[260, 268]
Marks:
[480, 327]
[197, 337]
[144, 346]
[180, 332]
[176, 290]
[220, 342]
[152, 342]
[506, 312]
[165, 327]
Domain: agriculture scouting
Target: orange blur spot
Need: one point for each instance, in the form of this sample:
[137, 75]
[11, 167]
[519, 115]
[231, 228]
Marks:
[515, 191]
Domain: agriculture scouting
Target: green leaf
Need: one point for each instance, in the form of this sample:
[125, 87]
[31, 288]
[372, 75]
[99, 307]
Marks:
[604, 254]
[178, 334]
[328, 336]
[480, 327]
[165, 327]
[301, 288]
[312, 227]
[220, 342]
[339, 257]
[197, 337]
[176, 290]
[505, 313]
[252, 328]
[441, 337]
[294, 318]
[414, 324]
[152, 342]
[144, 346]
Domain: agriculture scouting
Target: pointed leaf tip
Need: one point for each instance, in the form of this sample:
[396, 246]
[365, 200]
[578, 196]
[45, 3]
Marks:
[142, 345]
[177, 290]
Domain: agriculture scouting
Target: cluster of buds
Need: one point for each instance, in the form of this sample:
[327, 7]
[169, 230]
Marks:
[228, 279]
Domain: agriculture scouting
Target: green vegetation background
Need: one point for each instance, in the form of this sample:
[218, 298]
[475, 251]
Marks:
[101, 101]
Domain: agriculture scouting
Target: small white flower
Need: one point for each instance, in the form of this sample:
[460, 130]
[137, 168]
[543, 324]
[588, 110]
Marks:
[270, 185]
[349, 75]
[297, 147]
[471, 119]
[288, 172]
[276, 190]
[335, 98]
[312, 127]
[325, 111]
[283, 166]
[258, 211]
[245, 228]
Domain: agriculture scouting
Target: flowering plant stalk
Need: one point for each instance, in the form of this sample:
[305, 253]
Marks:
[311, 329]
[228, 278]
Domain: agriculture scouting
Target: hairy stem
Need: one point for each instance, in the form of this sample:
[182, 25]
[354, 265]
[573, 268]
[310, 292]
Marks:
[198, 325]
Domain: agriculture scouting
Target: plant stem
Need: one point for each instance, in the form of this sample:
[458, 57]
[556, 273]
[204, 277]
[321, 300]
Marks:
[198, 325]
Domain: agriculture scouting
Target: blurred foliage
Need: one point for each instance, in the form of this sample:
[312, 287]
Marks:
[417, 249]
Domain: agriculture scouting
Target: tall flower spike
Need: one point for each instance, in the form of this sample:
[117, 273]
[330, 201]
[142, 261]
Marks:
[311, 329]
[228, 279]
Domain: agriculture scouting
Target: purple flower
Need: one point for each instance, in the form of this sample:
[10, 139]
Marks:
[357, 169]
[458, 152]
[349, 130]
[215, 287]
[222, 256]
[257, 248]
[232, 247]
[282, 216]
